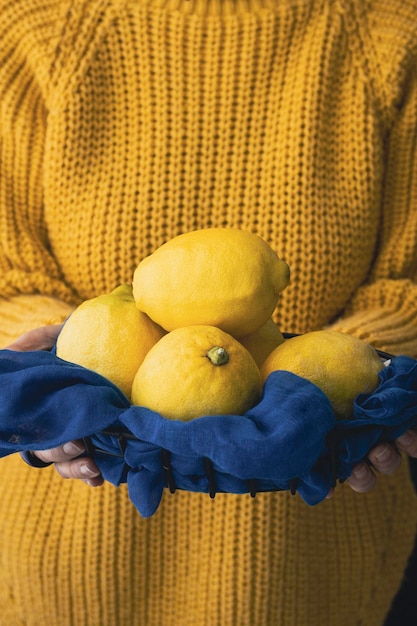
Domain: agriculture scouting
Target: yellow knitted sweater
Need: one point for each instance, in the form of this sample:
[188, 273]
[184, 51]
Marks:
[126, 122]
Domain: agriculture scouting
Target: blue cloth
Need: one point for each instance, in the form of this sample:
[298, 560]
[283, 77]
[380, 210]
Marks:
[290, 438]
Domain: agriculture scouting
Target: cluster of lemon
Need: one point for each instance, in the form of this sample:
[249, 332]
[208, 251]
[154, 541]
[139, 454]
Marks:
[193, 335]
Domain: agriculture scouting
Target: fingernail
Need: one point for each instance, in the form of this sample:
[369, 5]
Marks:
[86, 471]
[360, 472]
[71, 448]
[405, 439]
[383, 454]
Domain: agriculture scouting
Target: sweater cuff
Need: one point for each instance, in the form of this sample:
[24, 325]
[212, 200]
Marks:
[22, 313]
[384, 315]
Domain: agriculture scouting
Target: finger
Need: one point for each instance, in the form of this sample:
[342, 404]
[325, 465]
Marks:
[94, 482]
[43, 338]
[82, 468]
[385, 458]
[362, 478]
[67, 452]
[408, 443]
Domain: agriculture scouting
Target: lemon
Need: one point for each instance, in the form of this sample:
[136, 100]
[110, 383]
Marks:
[223, 277]
[109, 335]
[341, 365]
[261, 343]
[197, 370]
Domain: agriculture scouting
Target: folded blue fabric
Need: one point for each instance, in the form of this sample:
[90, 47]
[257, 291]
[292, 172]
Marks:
[291, 437]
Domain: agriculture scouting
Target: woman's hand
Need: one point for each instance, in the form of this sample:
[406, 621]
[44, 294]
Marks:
[67, 458]
[70, 463]
[384, 459]
[42, 338]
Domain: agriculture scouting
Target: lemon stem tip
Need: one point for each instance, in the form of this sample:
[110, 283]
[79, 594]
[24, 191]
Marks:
[218, 355]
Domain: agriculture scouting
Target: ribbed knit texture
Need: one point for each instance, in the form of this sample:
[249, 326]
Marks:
[126, 122]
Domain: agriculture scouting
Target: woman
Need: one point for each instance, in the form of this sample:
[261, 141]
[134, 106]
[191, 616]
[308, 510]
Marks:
[126, 122]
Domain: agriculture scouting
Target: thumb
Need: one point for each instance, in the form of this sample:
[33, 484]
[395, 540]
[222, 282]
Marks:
[42, 338]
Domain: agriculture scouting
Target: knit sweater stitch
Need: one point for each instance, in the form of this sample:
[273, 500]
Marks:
[126, 122]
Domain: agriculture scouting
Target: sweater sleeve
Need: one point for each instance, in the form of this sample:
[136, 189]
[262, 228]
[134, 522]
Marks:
[32, 290]
[383, 311]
